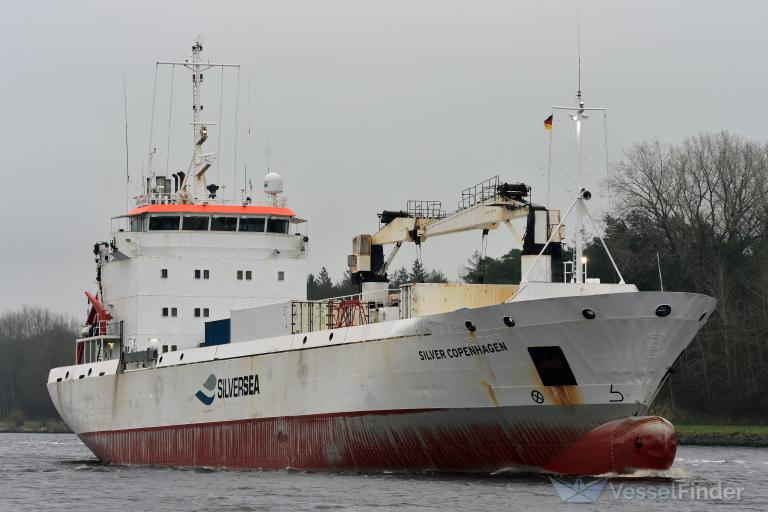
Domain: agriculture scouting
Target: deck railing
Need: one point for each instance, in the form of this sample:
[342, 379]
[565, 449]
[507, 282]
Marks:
[243, 200]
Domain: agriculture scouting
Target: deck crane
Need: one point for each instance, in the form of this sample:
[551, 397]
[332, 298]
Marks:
[484, 206]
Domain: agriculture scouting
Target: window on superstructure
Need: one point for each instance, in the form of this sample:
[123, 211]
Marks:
[165, 311]
[174, 312]
[252, 224]
[197, 312]
[224, 224]
[137, 223]
[280, 275]
[206, 312]
[195, 223]
[277, 226]
[164, 223]
[164, 273]
[247, 275]
[197, 274]
[240, 275]
[206, 274]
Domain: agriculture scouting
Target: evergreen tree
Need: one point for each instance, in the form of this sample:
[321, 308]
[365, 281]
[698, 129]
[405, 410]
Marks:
[323, 286]
[485, 269]
[346, 286]
[418, 273]
[436, 276]
[324, 279]
[399, 277]
[311, 287]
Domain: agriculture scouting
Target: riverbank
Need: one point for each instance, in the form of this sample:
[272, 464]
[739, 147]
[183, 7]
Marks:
[722, 435]
[35, 427]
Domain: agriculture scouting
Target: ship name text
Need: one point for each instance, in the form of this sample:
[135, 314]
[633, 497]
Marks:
[465, 351]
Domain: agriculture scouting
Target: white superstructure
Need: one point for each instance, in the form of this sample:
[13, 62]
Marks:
[179, 266]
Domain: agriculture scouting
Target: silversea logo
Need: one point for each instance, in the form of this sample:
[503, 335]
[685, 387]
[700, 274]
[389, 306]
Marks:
[210, 385]
[231, 387]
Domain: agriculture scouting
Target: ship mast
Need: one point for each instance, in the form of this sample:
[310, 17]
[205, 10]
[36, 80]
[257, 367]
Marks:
[584, 194]
[201, 161]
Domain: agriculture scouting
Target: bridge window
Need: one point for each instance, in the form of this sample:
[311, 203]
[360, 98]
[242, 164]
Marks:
[206, 312]
[197, 312]
[280, 275]
[197, 274]
[240, 274]
[137, 223]
[277, 226]
[224, 224]
[164, 273]
[252, 224]
[248, 275]
[164, 223]
[195, 223]
[206, 274]
[165, 311]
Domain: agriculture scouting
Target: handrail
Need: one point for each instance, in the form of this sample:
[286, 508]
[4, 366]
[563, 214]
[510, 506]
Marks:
[245, 199]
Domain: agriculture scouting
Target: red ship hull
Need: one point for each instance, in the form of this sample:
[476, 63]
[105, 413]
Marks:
[404, 440]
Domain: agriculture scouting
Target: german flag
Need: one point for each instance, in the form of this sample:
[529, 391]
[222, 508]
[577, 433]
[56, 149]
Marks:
[548, 124]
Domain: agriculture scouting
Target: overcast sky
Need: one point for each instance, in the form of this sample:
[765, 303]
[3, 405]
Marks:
[364, 104]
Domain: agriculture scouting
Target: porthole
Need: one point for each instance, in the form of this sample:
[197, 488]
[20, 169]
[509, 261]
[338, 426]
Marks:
[160, 360]
[90, 370]
[66, 376]
[101, 374]
[58, 380]
[509, 321]
[588, 314]
[471, 327]
[330, 337]
[663, 310]
[702, 316]
[304, 341]
[181, 356]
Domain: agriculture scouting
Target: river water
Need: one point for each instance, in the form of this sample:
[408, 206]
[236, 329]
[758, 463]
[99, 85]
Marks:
[57, 472]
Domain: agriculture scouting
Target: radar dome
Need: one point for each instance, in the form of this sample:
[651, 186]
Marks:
[273, 183]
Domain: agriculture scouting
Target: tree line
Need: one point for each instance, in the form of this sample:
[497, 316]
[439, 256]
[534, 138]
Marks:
[322, 286]
[32, 341]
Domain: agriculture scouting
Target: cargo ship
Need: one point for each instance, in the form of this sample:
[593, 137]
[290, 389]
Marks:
[200, 348]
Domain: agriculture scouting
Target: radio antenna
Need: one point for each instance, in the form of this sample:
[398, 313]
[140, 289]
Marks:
[125, 117]
[578, 49]
[248, 145]
[658, 264]
[269, 153]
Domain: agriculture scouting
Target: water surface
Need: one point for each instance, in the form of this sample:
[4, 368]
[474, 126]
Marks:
[57, 472]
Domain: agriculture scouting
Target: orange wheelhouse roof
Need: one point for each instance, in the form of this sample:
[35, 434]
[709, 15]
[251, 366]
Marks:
[212, 208]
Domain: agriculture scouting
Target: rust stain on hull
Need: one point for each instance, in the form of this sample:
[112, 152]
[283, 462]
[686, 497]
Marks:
[489, 388]
[563, 395]
[557, 395]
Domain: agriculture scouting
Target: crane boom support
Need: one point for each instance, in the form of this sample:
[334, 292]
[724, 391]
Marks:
[486, 215]
[483, 207]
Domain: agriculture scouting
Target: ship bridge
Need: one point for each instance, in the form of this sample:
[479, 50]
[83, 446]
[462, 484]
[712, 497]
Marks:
[187, 253]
